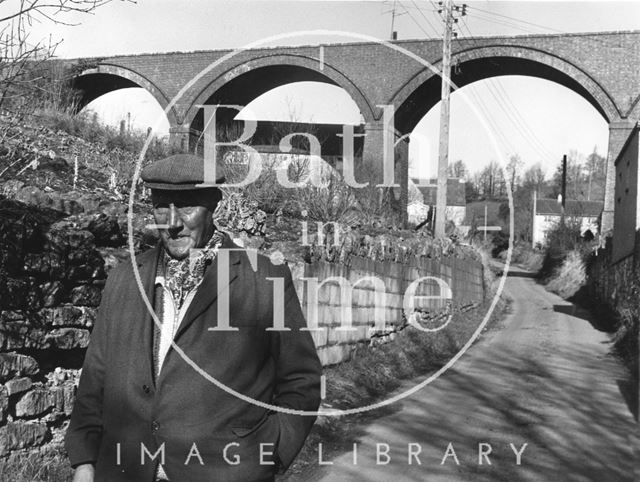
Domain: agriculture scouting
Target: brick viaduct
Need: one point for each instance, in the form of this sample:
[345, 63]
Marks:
[604, 68]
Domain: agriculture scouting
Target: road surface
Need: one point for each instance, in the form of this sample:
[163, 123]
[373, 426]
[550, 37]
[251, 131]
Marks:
[545, 379]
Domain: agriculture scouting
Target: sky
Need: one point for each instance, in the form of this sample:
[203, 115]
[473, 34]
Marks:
[534, 118]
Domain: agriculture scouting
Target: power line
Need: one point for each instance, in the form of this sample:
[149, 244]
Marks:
[506, 104]
[504, 140]
[393, 18]
[521, 126]
[517, 113]
[425, 17]
[508, 22]
[497, 91]
[517, 20]
[428, 35]
[503, 23]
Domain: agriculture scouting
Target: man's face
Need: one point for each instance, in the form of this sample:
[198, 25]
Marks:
[187, 216]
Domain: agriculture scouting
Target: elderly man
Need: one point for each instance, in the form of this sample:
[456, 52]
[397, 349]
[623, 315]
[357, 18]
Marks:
[187, 397]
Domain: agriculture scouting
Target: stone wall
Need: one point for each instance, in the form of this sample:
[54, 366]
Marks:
[52, 273]
[335, 341]
[615, 284]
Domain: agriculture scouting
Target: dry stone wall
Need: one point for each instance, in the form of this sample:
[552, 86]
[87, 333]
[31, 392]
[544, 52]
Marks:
[51, 278]
[615, 284]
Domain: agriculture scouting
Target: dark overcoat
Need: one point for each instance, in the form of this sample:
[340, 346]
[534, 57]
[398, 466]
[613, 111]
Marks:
[125, 421]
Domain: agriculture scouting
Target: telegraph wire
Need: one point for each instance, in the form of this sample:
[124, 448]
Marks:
[407, 12]
[512, 112]
[428, 35]
[498, 93]
[425, 17]
[516, 19]
[513, 22]
[505, 24]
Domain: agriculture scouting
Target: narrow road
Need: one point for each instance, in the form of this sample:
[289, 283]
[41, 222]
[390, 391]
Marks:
[544, 379]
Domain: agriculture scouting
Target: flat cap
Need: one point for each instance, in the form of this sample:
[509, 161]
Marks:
[179, 172]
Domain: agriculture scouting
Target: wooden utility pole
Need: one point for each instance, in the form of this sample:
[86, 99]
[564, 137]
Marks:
[533, 218]
[563, 189]
[443, 152]
[485, 222]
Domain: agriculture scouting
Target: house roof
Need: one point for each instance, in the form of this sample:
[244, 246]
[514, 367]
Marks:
[456, 192]
[590, 209]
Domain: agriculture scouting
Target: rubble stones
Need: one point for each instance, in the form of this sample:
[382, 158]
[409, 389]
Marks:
[53, 292]
[19, 335]
[105, 228]
[13, 364]
[34, 403]
[86, 295]
[19, 435]
[51, 275]
[68, 338]
[4, 403]
[51, 265]
[14, 292]
[64, 236]
[63, 397]
[69, 315]
[18, 385]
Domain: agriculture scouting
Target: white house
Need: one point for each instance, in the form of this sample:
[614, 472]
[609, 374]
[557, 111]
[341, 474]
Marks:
[548, 212]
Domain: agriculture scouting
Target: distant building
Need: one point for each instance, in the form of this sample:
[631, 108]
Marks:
[481, 214]
[424, 196]
[585, 214]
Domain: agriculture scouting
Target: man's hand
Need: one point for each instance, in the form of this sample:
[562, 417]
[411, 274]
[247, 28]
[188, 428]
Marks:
[83, 473]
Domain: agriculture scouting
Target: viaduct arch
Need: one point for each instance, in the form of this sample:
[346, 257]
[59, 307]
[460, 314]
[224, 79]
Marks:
[601, 67]
[104, 78]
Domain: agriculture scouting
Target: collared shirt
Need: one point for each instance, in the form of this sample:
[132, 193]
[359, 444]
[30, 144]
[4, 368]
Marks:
[172, 316]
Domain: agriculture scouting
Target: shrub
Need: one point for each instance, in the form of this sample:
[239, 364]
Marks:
[569, 277]
[266, 192]
[332, 202]
[625, 340]
[524, 255]
[115, 152]
[561, 241]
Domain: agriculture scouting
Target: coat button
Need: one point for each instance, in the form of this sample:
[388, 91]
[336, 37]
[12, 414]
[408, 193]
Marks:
[146, 389]
[155, 426]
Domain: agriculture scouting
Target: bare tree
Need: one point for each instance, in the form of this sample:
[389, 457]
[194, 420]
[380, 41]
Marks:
[490, 181]
[513, 171]
[458, 169]
[534, 177]
[24, 65]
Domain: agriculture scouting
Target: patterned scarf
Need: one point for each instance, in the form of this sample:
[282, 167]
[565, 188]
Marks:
[183, 275]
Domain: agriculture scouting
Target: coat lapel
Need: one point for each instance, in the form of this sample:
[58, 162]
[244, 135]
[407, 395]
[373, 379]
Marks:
[209, 289]
[147, 268]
